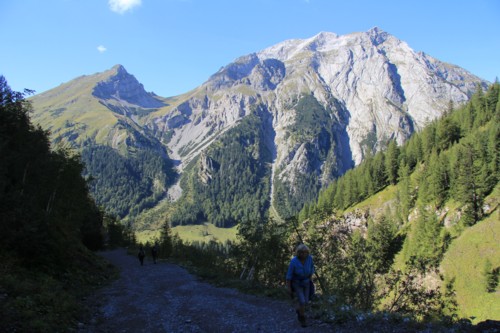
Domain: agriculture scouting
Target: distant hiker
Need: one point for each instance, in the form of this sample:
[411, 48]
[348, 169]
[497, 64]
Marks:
[141, 255]
[298, 279]
[154, 252]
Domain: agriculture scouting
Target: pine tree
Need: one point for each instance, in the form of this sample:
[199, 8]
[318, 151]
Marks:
[414, 151]
[493, 98]
[438, 178]
[490, 276]
[338, 199]
[448, 133]
[379, 176]
[424, 240]
[404, 190]
[479, 102]
[392, 162]
[429, 139]
[166, 246]
[468, 190]
[494, 153]
[380, 239]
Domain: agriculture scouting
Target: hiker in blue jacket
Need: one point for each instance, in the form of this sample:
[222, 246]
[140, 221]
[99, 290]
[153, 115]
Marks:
[298, 279]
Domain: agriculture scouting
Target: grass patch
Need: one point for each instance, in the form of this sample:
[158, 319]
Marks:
[202, 233]
[376, 202]
[205, 233]
[465, 261]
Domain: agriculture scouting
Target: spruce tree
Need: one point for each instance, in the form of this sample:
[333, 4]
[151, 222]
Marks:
[166, 244]
[414, 150]
[438, 178]
[379, 176]
[380, 239]
[424, 240]
[448, 132]
[392, 162]
[404, 190]
[468, 190]
[490, 276]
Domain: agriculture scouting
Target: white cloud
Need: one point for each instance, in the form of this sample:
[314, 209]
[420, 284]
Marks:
[101, 49]
[121, 6]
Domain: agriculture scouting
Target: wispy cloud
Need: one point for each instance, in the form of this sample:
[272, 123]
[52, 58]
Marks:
[122, 6]
[101, 49]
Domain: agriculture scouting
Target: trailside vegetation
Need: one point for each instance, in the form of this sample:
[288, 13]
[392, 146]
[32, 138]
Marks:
[49, 224]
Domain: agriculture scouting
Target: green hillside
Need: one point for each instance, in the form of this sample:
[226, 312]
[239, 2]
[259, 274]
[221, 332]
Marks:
[129, 168]
[436, 198]
[465, 261]
[60, 110]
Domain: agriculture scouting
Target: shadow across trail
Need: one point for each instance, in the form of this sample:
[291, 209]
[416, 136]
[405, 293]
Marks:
[166, 298]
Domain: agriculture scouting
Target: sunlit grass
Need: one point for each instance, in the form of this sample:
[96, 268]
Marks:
[465, 261]
[193, 233]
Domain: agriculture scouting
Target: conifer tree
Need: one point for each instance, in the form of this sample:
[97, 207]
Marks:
[438, 178]
[493, 97]
[166, 243]
[338, 199]
[424, 240]
[448, 132]
[404, 190]
[490, 276]
[467, 189]
[379, 176]
[494, 153]
[392, 162]
[380, 239]
[479, 102]
[414, 150]
[429, 139]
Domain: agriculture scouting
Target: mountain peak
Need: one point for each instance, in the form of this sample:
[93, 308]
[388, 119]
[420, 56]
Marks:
[119, 69]
[124, 87]
[377, 35]
[324, 35]
[376, 30]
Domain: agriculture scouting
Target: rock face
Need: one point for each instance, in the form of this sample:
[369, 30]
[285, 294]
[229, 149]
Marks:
[124, 88]
[330, 100]
[323, 102]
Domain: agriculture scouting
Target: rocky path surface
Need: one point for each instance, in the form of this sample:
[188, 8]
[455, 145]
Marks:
[166, 298]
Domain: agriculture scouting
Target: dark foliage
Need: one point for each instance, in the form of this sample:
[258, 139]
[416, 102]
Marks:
[45, 202]
[127, 185]
[48, 223]
[230, 182]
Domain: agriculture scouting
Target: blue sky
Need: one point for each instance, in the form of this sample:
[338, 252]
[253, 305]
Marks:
[172, 46]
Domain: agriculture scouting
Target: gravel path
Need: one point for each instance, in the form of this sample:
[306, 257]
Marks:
[166, 298]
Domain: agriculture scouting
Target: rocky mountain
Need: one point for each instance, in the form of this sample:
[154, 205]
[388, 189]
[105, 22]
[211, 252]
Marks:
[98, 115]
[268, 130]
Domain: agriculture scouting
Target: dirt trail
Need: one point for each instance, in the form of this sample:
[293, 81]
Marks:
[166, 298]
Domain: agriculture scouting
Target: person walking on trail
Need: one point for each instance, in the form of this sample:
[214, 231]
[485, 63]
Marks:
[154, 252]
[141, 255]
[298, 279]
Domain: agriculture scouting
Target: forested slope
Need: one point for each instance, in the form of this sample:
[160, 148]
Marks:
[49, 224]
[434, 197]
